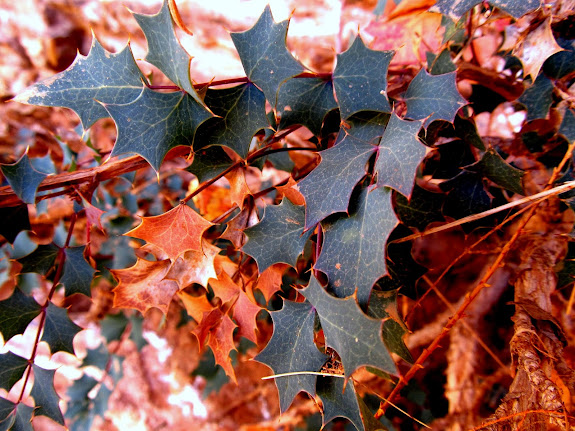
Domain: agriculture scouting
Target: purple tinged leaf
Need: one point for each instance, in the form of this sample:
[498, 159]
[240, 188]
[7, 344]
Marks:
[360, 79]
[399, 155]
[353, 251]
[59, 330]
[155, 123]
[16, 313]
[433, 97]
[264, 54]
[278, 237]
[99, 77]
[45, 396]
[23, 178]
[353, 335]
[292, 349]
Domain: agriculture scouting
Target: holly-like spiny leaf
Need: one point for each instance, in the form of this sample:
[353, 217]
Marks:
[154, 123]
[537, 98]
[353, 335]
[292, 349]
[164, 49]
[23, 178]
[99, 77]
[175, 231]
[40, 260]
[194, 266]
[466, 195]
[433, 97]
[78, 273]
[264, 55]
[16, 312]
[45, 396]
[456, 9]
[360, 70]
[561, 63]
[241, 112]
[12, 369]
[285, 223]
[209, 162]
[567, 127]
[499, 171]
[21, 419]
[305, 101]
[144, 286]
[59, 330]
[399, 154]
[353, 251]
[6, 409]
[422, 208]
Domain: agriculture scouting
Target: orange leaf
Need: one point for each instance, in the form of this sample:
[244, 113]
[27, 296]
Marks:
[196, 306]
[213, 201]
[270, 281]
[175, 232]
[235, 230]
[143, 286]
[410, 7]
[245, 312]
[194, 266]
[238, 186]
[291, 192]
[224, 287]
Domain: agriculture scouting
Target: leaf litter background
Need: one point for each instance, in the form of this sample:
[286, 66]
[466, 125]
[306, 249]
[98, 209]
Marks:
[39, 38]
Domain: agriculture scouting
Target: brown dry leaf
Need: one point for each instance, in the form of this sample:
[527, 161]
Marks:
[270, 281]
[245, 312]
[410, 7]
[536, 47]
[291, 192]
[195, 266]
[238, 186]
[224, 287]
[175, 232]
[143, 286]
[196, 306]
[235, 229]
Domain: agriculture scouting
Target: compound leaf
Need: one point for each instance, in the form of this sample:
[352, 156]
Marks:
[99, 77]
[45, 396]
[164, 49]
[433, 97]
[278, 237]
[241, 112]
[144, 286]
[292, 349]
[306, 102]
[40, 260]
[16, 313]
[23, 178]
[353, 335]
[399, 154]
[499, 171]
[360, 70]
[78, 273]
[12, 368]
[155, 122]
[59, 330]
[353, 251]
[456, 9]
[264, 55]
[175, 231]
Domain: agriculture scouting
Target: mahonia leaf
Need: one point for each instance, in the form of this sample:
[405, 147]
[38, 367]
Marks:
[270, 280]
[360, 70]
[23, 178]
[7, 409]
[264, 55]
[40, 260]
[16, 313]
[441, 63]
[21, 421]
[224, 287]
[499, 171]
[241, 112]
[45, 396]
[567, 127]
[79, 409]
[456, 9]
[399, 154]
[59, 330]
[383, 305]
[144, 286]
[234, 232]
[538, 98]
[194, 266]
[113, 326]
[97, 357]
[209, 162]
[433, 97]
[175, 231]
[12, 369]
[561, 63]
[537, 46]
[292, 349]
[244, 313]
[353, 335]
[353, 250]
[195, 306]
[466, 195]
[164, 49]
[155, 122]
[99, 77]
[78, 273]
[278, 237]
[422, 208]
[341, 400]
[306, 102]
[14, 220]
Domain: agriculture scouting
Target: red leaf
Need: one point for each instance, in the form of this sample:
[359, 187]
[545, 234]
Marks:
[196, 306]
[224, 287]
[245, 312]
[194, 266]
[270, 281]
[175, 232]
[143, 286]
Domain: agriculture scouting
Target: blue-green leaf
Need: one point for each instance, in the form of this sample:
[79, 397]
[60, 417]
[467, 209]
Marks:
[16, 313]
[23, 178]
[59, 330]
[45, 396]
